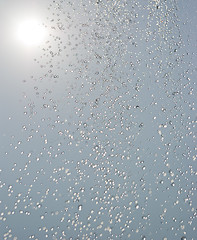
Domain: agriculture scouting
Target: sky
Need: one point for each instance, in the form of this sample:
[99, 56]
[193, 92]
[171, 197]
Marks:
[98, 114]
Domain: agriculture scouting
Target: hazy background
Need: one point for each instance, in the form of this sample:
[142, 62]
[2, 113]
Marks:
[98, 122]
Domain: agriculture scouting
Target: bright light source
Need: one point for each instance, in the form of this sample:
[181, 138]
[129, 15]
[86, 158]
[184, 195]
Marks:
[31, 32]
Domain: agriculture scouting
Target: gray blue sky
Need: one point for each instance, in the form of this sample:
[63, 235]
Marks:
[97, 136]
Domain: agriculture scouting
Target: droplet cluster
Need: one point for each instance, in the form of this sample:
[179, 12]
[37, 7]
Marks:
[105, 145]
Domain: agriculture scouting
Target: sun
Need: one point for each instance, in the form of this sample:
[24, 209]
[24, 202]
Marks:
[30, 32]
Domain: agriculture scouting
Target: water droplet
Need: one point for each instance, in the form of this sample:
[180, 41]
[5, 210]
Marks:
[80, 207]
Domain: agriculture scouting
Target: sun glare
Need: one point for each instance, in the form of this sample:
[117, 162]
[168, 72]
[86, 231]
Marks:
[31, 32]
